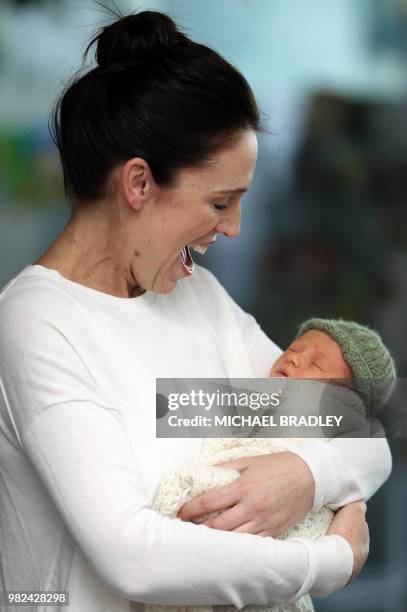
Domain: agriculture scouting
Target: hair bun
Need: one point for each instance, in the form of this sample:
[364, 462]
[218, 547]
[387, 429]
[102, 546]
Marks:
[136, 37]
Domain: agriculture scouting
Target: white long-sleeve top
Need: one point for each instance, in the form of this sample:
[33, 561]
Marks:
[79, 460]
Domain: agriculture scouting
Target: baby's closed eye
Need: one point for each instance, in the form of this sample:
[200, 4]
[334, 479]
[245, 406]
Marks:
[314, 363]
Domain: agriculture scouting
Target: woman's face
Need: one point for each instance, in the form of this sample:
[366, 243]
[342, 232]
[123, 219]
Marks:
[205, 202]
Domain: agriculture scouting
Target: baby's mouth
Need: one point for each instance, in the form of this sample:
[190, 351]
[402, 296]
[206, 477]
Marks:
[187, 260]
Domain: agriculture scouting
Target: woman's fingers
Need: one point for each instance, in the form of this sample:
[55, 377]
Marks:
[215, 500]
[234, 519]
[249, 527]
[350, 523]
[237, 464]
[274, 491]
[230, 519]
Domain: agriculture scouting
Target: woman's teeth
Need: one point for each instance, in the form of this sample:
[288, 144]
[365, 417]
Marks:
[187, 260]
[200, 248]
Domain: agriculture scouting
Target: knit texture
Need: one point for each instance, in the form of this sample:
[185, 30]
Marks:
[370, 361]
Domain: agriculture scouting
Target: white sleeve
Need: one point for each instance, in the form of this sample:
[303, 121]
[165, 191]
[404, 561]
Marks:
[77, 442]
[344, 469]
[82, 454]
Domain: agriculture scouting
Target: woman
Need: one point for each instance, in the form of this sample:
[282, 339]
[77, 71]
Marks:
[157, 144]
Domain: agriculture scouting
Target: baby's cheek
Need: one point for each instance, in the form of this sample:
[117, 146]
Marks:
[274, 367]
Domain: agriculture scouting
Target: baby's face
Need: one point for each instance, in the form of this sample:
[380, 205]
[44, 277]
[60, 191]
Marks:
[313, 355]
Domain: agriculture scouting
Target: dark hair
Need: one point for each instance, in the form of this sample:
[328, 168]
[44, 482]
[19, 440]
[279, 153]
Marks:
[154, 94]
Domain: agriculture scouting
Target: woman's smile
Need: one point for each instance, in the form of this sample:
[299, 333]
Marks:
[184, 258]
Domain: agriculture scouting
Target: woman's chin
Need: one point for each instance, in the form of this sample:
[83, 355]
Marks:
[164, 285]
[166, 280]
[165, 289]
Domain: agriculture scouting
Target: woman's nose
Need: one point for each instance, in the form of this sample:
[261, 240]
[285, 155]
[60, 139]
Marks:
[230, 224]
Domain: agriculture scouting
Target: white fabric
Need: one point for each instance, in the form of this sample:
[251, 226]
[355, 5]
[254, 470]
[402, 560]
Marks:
[79, 461]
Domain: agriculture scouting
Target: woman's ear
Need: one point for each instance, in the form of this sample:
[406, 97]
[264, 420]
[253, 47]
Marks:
[137, 182]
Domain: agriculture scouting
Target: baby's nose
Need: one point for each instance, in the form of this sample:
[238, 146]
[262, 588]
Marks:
[294, 358]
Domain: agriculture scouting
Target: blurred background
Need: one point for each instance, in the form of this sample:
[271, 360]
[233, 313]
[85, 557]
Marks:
[324, 226]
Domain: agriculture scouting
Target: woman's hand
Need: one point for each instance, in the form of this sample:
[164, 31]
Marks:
[273, 493]
[350, 523]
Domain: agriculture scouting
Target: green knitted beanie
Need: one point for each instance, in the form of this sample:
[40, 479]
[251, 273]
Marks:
[363, 350]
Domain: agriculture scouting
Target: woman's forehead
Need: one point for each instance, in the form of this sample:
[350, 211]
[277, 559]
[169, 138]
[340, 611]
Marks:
[228, 172]
[242, 153]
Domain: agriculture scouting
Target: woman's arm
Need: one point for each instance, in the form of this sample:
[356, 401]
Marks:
[346, 469]
[83, 456]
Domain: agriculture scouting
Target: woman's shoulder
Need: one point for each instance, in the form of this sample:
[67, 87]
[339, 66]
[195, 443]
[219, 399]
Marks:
[30, 296]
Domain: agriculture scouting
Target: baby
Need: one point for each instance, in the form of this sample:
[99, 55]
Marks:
[341, 351]
[337, 349]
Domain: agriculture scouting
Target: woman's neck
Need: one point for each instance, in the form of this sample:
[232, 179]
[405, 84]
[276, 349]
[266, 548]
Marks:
[91, 250]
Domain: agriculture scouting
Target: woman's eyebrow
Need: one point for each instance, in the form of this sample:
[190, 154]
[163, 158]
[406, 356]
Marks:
[226, 191]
